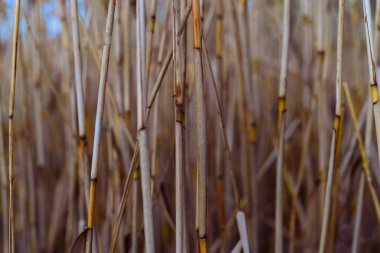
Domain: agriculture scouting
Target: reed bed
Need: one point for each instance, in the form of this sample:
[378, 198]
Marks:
[189, 126]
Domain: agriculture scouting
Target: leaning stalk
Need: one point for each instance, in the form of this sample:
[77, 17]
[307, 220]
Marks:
[335, 134]
[98, 124]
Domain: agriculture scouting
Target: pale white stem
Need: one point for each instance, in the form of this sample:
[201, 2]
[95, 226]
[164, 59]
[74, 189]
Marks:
[102, 89]
[78, 67]
[242, 226]
[142, 132]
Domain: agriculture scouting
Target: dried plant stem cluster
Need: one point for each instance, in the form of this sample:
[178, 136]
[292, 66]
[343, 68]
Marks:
[189, 126]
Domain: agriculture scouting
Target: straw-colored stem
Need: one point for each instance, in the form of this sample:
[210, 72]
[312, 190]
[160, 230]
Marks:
[201, 198]
[281, 129]
[179, 92]
[135, 159]
[335, 134]
[11, 242]
[142, 132]
[362, 149]
[98, 123]
[372, 70]
[80, 98]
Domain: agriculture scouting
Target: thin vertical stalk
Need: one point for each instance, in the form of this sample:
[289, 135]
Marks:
[281, 129]
[80, 101]
[372, 70]
[119, 59]
[251, 95]
[98, 123]
[149, 43]
[135, 159]
[155, 131]
[11, 243]
[179, 88]
[3, 185]
[201, 199]
[219, 77]
[142, 132]
[242, 104]
[323, 60]
[127, 61]
[335, 134]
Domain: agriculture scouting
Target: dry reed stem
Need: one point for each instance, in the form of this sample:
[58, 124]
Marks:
[372, 69]
[366, 169]
[135, 159]
[142, 132]
[98, 124]
[11, 240]
[335, 134]
[179, 92]
[201, 198]
[240, 218]
[281, 129]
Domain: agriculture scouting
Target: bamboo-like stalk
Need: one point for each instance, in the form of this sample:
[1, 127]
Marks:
[78, 69]
[281, 129]
[11, 242]
[98, 124]
[335, 134]
[335, 186]
[372, 70]
[79, 99]
[179, 54]
[135, 159]
[201, 198]
[142, 132]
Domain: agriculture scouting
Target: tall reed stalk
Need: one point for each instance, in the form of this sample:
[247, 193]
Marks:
[179, 54]
[98, 126]
[372, 69]
[335, 134]
[281, 129]
[142, 132]
[11, 240]
[201, 198]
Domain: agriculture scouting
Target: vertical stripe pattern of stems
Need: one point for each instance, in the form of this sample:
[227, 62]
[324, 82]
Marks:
[281, 129]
